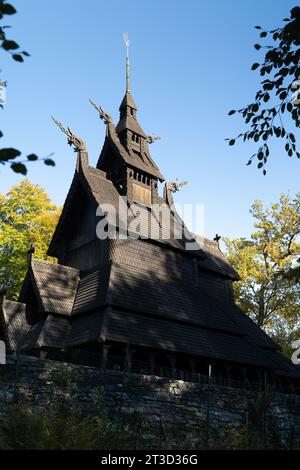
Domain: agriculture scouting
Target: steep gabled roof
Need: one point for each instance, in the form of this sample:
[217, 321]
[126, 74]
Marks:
[128, 101]
[128, 122]
[214, 260]
[128, 116]
[102, 191]
[15, 322]
[79, 183]
[55, 284]
[52, 332]
[257, 335]
[172, 299]
[209, 254]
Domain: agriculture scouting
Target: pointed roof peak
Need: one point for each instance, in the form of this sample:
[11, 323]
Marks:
[128, 101]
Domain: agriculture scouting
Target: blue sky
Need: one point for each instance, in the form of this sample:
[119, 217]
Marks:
[190, 64]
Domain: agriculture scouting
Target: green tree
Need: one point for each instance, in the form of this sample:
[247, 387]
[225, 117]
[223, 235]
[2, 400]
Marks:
[279, 69]
[11, 156]
[27, 216]
[265, 292]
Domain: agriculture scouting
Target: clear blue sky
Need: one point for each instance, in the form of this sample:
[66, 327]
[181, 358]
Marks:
[190, 64]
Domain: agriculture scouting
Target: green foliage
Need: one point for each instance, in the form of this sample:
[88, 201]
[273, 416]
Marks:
[294, 273]
[23, 427]
[8, 44]
[265, 291]
[279, 69]
[64, 378]
[8, 155]
[27, 216]
[63, 427]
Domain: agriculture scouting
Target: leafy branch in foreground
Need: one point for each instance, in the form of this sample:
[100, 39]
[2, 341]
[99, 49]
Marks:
[12, 47]
[9, 156]
[281, 68]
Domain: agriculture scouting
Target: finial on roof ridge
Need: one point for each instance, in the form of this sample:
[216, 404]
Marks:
[73, 139]
[4, 291]
[152, 138]
[31, 252]
[175, 186]
[102, 114]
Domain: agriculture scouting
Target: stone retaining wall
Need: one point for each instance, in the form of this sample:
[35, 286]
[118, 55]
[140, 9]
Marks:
[163, 403]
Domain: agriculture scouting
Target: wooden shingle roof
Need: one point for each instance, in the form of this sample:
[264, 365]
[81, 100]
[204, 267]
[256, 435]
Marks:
[172, 336]
[55, 284]
[15, 322]
[121, 304]
[103, 191]
[136, 290]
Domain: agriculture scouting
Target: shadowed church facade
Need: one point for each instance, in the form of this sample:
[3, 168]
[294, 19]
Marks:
[136, 299]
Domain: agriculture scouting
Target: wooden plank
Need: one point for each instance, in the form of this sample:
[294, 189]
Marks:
[141, 194]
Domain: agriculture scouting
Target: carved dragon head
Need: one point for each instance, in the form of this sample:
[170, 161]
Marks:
[73, 139]
[102, 114]
[175, 186]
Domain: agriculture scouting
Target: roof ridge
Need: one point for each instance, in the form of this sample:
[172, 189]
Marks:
[211, 242]
[48, 263]
[94, 168]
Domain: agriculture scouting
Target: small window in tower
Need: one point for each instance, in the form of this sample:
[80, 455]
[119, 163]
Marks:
[131, 111]
[135, 137]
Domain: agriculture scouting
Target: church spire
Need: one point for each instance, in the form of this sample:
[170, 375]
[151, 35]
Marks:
[127, 44]
[128, 107]
[134, 166]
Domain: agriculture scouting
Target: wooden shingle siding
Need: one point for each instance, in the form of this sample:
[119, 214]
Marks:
[92, 290]
[88, 256]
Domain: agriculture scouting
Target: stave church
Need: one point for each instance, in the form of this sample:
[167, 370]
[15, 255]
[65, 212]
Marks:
[136, 299]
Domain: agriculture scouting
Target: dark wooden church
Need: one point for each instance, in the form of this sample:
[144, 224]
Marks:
[145, 301]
